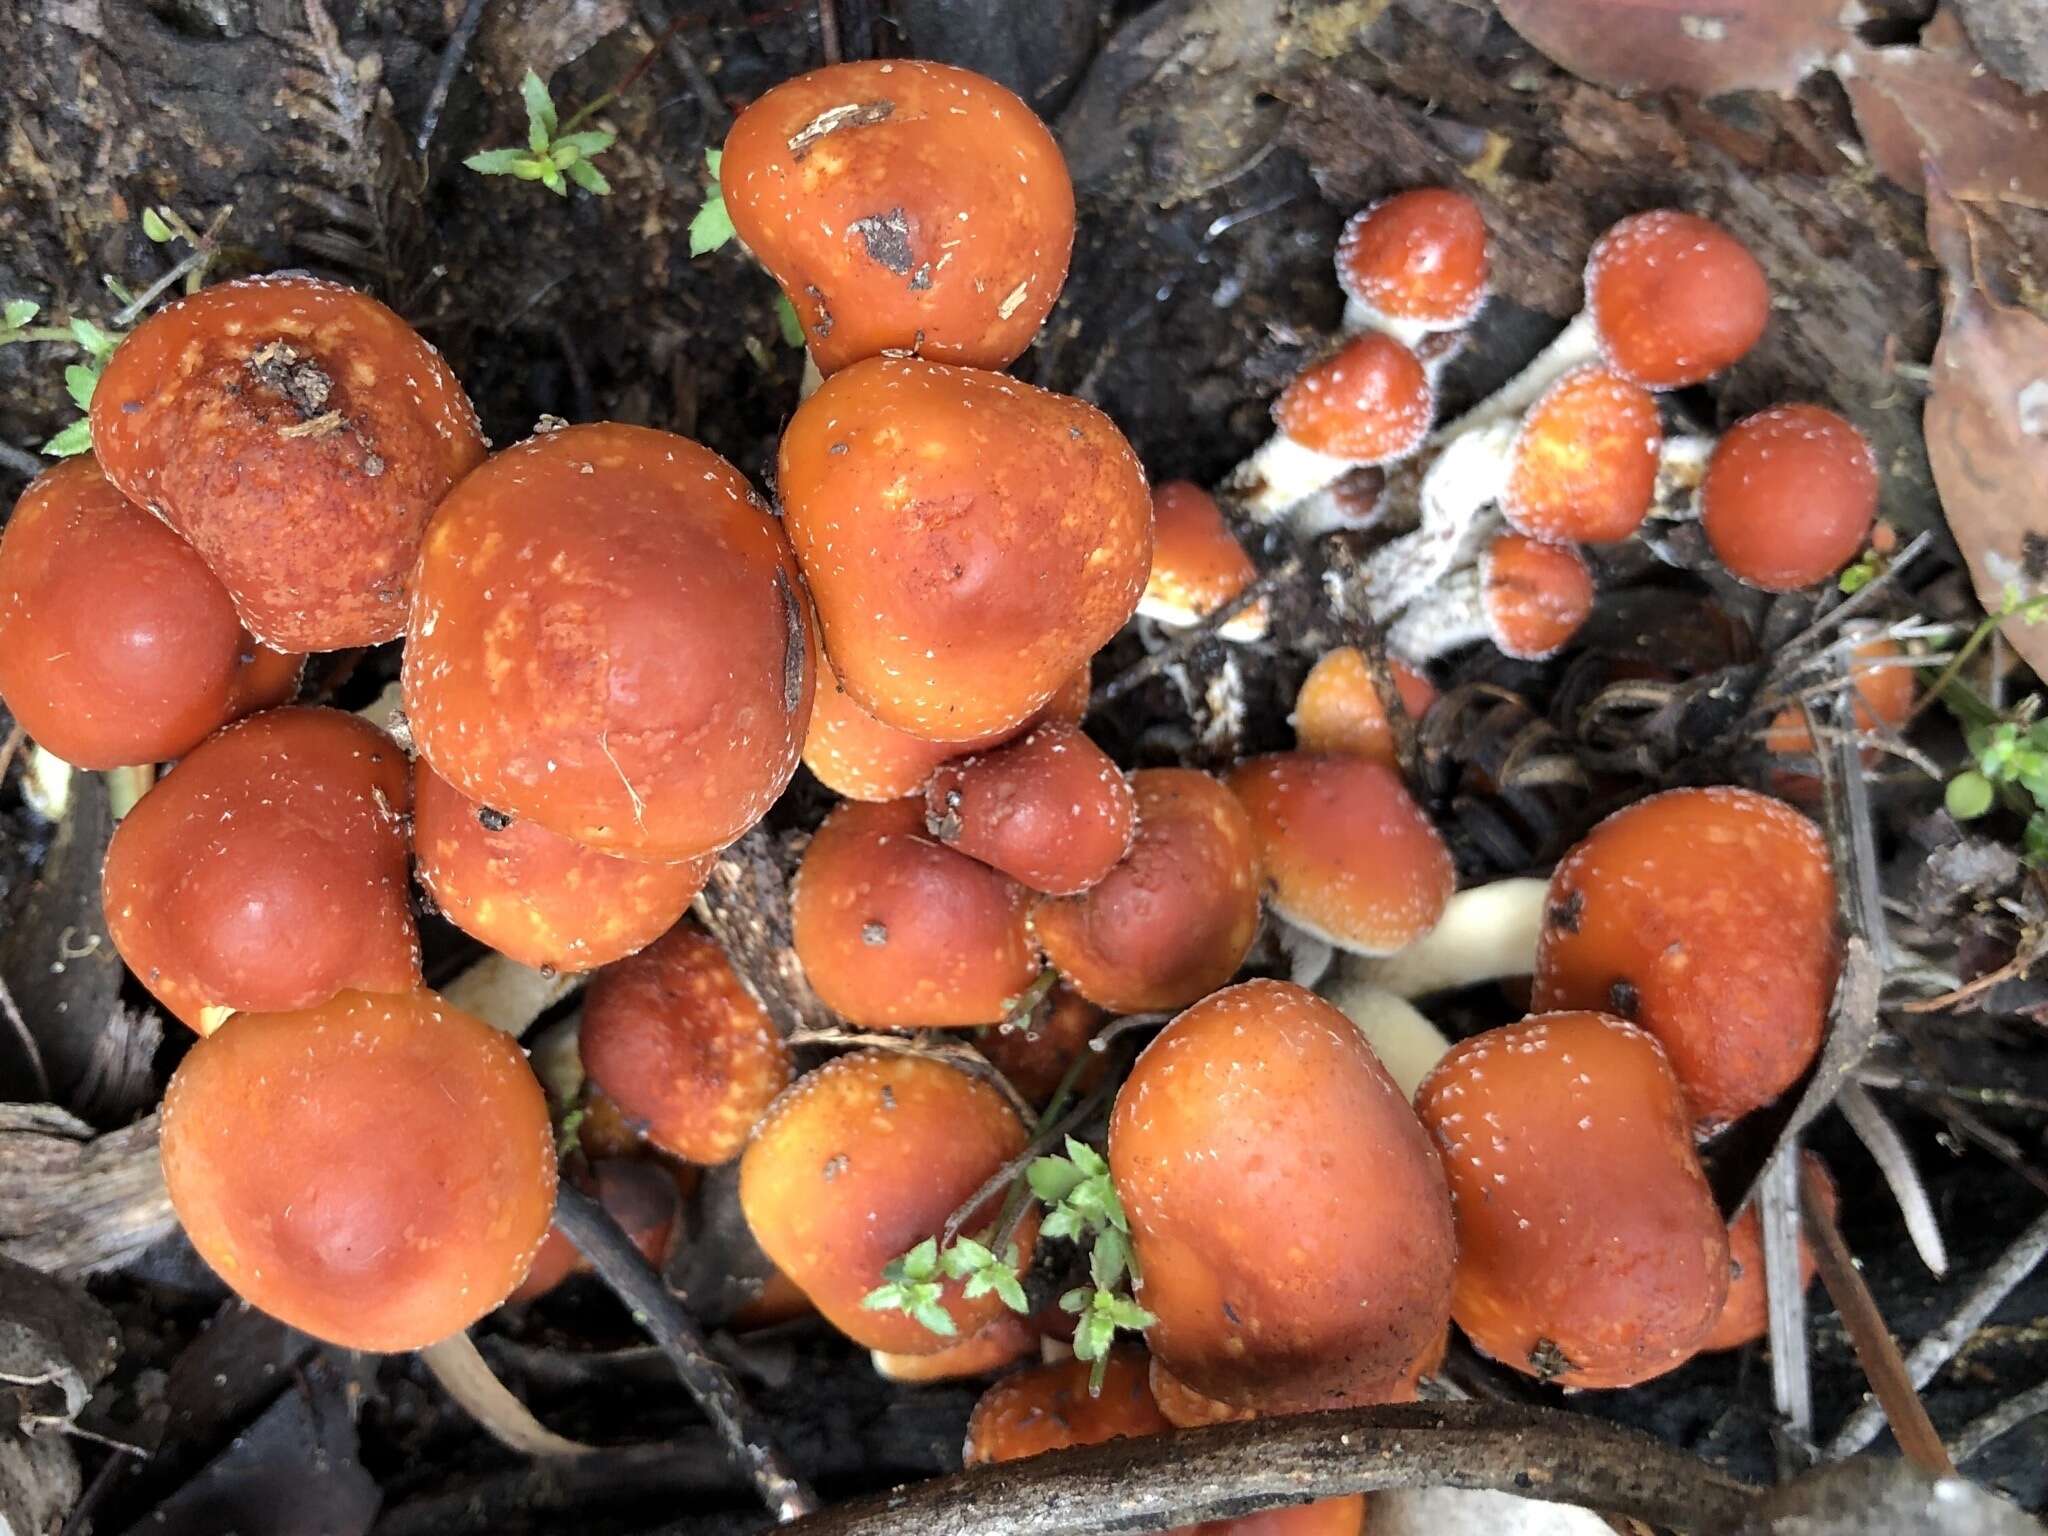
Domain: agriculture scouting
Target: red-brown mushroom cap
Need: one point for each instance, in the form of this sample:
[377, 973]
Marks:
[268, 870]
[1035, 1053]
[858, 1163]
[1287, 1210]
[1745, 1316]
[854, 754]
[299, 434]
[1884, 697]
[1707, 916]
[117, 645]
[534, 895]
[1175, 919]
[1347, 853]
[1590, 1252]
[1185, 1408]
[1789, 496]
[608, 637]
[1370, 402]
[970, 541]
[674, 1038]
[1676, 298]
[1418, 256]
[1050, 810]
[903, 206]
[1536, 595]
[1584, 462]
[896, 930]
[1197, 563]
[376, 1171]
[1003, 1342]
[1338, 708]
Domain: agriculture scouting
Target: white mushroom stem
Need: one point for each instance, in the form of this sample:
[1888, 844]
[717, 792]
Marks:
[507, 995]
[1360, 317]
[1280, 473]
[1309, 955]
[467, 1377]
[127, 786]
[1452, 615]
[1407, 1044]
[1888, 1150]
[1577, 344]
[1486, 933]
[386, 710]
[46, 784]
[1243, 627]
[1681, 466]
[1466, 479]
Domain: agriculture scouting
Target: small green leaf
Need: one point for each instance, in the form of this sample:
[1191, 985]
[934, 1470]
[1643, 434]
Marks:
[1969, 796]
[1052, 1179]
[1009, 1289]
[80, 379]
[883, 1298]
[18, 312]
[921, 1263]
[713, 159]
[1063, 1221]
[1126, 1313]
[967, 1257]
[153, 225]
[785, 316]
[1108, 1260]
[712, 227]
[591, 141]
[1086, 1158]
[540, 112]
[979, 1284]
[93, 339]
[496, 162]
[590, 178]
[1094, 1335]
[73, 440]
[1077, 1299]
[935, 1318]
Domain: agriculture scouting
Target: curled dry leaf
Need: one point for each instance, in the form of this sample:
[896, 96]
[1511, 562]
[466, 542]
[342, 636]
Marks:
[1987, 433]
[1936, 104]
[1657, 45]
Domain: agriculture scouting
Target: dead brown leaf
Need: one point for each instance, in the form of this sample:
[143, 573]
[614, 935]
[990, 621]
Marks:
[1709, 47]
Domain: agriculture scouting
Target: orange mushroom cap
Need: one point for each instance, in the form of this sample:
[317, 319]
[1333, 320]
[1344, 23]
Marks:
[970, 541]
[862, 1160]
[377, 1171]
[1707, 916]
[299, 434]
[1347, 853]
[1884, 697]
[1035, 1053]
[1590, 1252]
[1287, 1210]
[1003, 1342]
[1418, 256]
[855, 755]
[1676, 298]
[534, 895]
[1185, 1408]
[903, 206]
[1745, 1316]
[608, 637]
[673, 1037]
[1197, 563]
[1536, 595]
[1789, 496]
[117, 645]
[1584, 462]
[1338, 708]
[267, 871]
[896, 930]
[1050, 810]
[1175, 919]
[1370, 402]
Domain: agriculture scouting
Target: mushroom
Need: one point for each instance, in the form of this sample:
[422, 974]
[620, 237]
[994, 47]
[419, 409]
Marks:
[1050, 810]
[1486, 933]
[377, 1171]
[1789, 496]
[896, 930]
[1197, 564]
[267, 871]
[1002, 1343]
[1338, 708]
[1414, 263]
[609, 638]
[534, 895]
[298, 434]
[673, 1037]
[1185, 1408]
[854, 754]
[1407, 1044]
[1528, 597]
[1050, 1408]
[1288, 1214]
[1368, 403]
[1745, 1316]
[1033, 1053]
[1675, 297]
[903, 206]
[1590, 1253]
[1175, 919]
[861, 1161]
[970, 541]
[1707, 916]
[1583, 464]
[1348, 855]
[641, 1196]
[117, 645]
[1885, 691]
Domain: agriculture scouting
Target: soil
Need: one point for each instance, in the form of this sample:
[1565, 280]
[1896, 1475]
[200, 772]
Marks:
[1217, 146]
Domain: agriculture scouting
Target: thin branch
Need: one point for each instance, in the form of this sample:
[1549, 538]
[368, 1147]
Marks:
[1184, 643]
[1976, 1436]
[31, 1049]
[1785, 1293]
[1895, 1162]
[1157, 1482]
[444, 74]
[620, 1265]
[716, 114]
